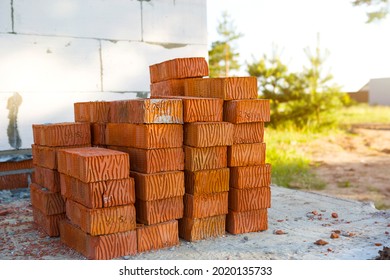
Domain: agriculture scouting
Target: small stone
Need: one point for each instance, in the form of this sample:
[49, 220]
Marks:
[386, 232]
[335, 215]
[321, 242]
[314, 212]
[351, 234]
[279, 221]
[329, 250]
[337, 231]
[334, 235]
[4, 212]
[279, 232]
[378, 244]
[246, 238]
[126, 257]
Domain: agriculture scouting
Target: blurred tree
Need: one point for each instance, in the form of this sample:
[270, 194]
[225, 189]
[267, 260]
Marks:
[377, 9]
[223, 56]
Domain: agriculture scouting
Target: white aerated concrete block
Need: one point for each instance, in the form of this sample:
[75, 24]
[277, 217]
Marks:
[5, 16]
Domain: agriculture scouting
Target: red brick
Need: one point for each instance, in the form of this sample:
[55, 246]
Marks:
[48, 223]
[207, 181]
[157, 186]
[154, 160]
[173, 87]
[101, 194]
[224, 88]
[192, 229]
[208, 134]
[246, 177]
[103, 220]
[248, 221]
[158, 236]
[158, 211]
[249, 199]
[179, 68]
[16, 165]
[205, 158]
[98, 134]
[62, 134]
[97, 111]
[49, 203]
[14, 181]
[144, 136]
[93, 164]
[246, 133]
[246, 154]
[207, 205]
[103, 247]
[147, 110]
[246, 111]
[47, 178]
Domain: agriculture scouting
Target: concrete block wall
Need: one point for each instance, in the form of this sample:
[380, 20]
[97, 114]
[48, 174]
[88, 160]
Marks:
[58, 52]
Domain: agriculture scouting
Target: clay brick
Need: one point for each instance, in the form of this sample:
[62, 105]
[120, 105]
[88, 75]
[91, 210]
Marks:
[158, 211]
[147, 110]
[97, 111]
[14, 181]
[246, 177]
[208, 134]
[48, 223]
[103, 220]
[16, 165]
[248, 221]
[158, 236]
[246, 154]
[98, 134]
[62, 134]
[157, 186]
[144, 136]
[225, 88]
[47, 178]
[103, 247]
[249, 199]
[205, 158]
[49, 203]
[207, 181]
[101, 194]
[246, 111]
[179, 68]
[93, 164]
[192, 229]
[173, 87]
[154, 160]
[246, 133]
[207, 205]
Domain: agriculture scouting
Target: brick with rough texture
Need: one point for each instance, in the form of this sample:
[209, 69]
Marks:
[101, 194]
[208, 134]
[158, 211]
[158, 236]
[103, 247]
[50, 224]
[205, 158]
[246, 111]
[248, 221]
[93, 164]
[249, 199]
[48, 178]
[16, 165]
[174, 87]
[179, 68]
[246, 177]
[192, 229]
[158, 185]
[93, 112]
[98, 134]
[207, 181]
[245, 133]
[207, 205]
[144, 136]
[14, 181]
[62, 134]
[246, 154]
[49, 203]
[103, 220]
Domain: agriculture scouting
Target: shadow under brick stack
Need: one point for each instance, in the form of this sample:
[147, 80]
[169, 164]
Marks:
[151, 132]
[100, 197]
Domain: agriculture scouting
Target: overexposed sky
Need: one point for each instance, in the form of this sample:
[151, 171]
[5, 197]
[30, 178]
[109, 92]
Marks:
[357, 51]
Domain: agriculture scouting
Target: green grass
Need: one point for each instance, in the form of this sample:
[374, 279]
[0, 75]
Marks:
[364, 113]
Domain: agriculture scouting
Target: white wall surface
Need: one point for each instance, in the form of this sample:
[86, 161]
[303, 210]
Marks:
[5, 16]
[379, 91]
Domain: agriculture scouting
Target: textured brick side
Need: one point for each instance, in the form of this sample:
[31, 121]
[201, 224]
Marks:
[201, 206]
[14, 181]
[103, 220]
[16, 165]
[98, 134]
[246, 177]
[62, 134]
[157, 186]
[205, 158]
[144, 136]
[47, 178]
[97, 111]
[103, 247]
[49, 203]
[158, 236]
[246, 111]
[246, 154]
[50, 224]
[248, 221]
[99, 194]
[207, 181]
[173, 87]
[158, 211]
[192, 229]
[249, 199]
[208, 134]
[246, 133]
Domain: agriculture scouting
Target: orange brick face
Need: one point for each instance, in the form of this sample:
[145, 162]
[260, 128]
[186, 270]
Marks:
[192, 229]
[249, 199]
[246, 111]
[48, 178]
[173, 87]
[205, 158]
[158, 211]
[160, 185]
[196, 109]
[248, 221]
[208, 134]
[98, 134]
[207, 181]
[49, 203]
[14, 181]
[246, 154]
[201, 206]
[50, 224]
[98, 111]
[11, 165]
[246, 133]
[154, 237]
[246, 177]
[99, 194]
